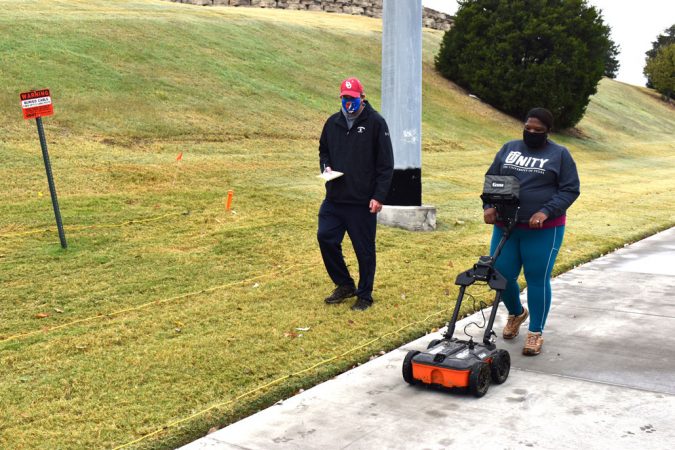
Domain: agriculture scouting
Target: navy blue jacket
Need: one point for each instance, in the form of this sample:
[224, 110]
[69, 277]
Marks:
[363, 153]
[548, 177]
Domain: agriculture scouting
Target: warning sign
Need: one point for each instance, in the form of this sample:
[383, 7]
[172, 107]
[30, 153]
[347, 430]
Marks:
[36, 104]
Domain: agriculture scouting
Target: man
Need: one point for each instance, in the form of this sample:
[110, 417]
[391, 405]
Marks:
[354, 141]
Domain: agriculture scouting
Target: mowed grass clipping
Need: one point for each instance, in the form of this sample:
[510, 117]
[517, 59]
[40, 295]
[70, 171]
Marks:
[165, 304]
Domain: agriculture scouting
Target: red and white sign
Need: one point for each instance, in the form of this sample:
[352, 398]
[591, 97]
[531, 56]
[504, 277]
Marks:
[36, 104]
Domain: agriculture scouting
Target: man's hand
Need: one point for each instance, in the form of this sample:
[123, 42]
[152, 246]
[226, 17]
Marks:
[537, 219]
[327, 170]
[375, 206]
[490, 215]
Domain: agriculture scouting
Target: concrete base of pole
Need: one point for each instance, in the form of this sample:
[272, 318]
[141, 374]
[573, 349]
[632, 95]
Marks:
[413, 218]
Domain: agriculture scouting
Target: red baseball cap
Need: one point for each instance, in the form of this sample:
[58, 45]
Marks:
[351, 87]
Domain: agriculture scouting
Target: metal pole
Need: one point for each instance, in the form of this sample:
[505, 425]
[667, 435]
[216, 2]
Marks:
[50, 180]
[402, 96]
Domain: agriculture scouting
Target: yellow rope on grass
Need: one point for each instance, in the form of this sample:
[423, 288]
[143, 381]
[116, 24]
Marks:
[145, 305]
[102, 225]
[277, 381]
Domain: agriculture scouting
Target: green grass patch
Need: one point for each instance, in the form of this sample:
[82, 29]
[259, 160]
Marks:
[154, 321]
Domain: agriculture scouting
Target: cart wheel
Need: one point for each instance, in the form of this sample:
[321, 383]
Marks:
[500, 367]
[479, 379]
[433, 343]
[407, 367]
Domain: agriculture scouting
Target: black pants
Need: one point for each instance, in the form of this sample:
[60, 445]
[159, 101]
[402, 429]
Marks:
[361, 224]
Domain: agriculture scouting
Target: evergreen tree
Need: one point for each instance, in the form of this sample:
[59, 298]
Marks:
[517, 54]
[611, 62]
[661, 70]
[662, 40]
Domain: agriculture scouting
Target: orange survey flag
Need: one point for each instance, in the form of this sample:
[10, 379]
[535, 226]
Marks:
[228, 203]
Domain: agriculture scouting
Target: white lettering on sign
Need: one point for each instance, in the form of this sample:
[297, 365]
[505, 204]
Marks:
[33, 102]
[36, 103]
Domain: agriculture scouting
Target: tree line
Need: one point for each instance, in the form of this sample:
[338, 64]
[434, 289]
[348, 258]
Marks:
[516, 54]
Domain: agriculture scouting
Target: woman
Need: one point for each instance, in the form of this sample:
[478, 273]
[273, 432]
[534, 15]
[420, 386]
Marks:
[549, 184]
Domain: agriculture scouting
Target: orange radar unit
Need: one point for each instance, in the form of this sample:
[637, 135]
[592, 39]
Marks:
[453, 363]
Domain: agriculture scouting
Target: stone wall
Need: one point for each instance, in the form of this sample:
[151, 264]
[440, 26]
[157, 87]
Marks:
[370, 8]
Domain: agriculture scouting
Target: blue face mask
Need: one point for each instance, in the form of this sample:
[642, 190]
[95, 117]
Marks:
[351, 105]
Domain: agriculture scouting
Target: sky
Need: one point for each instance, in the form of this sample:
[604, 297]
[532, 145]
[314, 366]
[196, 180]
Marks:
[635, 25]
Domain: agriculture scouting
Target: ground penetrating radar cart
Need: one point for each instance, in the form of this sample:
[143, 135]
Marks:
[456, 363]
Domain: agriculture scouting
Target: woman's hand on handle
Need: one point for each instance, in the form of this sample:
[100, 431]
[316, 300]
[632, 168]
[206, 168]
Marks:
[490, 215]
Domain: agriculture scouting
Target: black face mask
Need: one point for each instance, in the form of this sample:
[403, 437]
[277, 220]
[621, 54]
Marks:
[534, 140]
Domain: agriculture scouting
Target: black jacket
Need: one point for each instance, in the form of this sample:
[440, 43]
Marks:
[363, 153]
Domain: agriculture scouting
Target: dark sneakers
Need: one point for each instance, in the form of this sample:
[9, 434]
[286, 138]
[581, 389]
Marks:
[362, 304]
[340, 294]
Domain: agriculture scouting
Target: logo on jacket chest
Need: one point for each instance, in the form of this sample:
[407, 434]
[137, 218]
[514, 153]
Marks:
[360, 129]
[516, 160]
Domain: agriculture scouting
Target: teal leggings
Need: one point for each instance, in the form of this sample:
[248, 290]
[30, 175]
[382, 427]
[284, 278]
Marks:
[535, 251]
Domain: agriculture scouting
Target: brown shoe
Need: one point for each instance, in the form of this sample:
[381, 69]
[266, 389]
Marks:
[533, 344]
[512, 325]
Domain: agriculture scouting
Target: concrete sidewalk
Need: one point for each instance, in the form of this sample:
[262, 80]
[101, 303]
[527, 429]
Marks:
[605, 379]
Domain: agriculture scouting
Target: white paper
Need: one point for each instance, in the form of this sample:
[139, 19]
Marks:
[327, 176]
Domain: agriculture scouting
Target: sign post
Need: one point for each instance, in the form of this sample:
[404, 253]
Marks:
[35, 105]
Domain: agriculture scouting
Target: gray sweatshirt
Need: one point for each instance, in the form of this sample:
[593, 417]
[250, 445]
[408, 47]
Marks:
[548, 177]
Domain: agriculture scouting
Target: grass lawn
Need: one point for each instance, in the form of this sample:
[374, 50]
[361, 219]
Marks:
[169, 311]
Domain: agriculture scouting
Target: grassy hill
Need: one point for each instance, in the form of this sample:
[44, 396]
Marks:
[169, 311]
